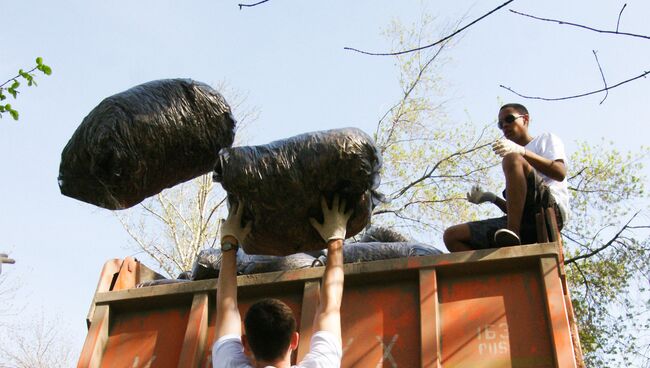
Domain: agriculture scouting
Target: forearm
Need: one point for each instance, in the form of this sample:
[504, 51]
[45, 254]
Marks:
[553, 169]
[328, 315]
[501, 203]
[228, 320]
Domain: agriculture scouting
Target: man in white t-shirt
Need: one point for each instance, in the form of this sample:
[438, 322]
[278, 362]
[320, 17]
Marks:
[535, 173]
[270, 327]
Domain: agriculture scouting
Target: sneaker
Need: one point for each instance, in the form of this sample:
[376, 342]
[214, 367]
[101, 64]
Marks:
[506, 238]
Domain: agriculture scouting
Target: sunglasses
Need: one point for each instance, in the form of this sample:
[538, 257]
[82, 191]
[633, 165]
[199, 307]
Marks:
[509, 120]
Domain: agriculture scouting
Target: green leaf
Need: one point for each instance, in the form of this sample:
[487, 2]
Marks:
[39, 60]
[14, 114]
[46, 69]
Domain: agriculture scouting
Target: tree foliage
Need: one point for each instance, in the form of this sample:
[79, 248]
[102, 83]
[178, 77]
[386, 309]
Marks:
[607, 248]
[429, 161]
[13, 84]
[35, 344]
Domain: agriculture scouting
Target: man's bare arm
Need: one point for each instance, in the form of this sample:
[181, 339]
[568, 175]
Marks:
[501, 203]
[332, 230]
[555, 170]
[328, 314]
[228, 321]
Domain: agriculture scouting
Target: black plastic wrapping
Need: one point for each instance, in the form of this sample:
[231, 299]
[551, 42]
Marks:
[366, 252]
[383, 235]
[281, 184]
[208, 263]
[138, 142]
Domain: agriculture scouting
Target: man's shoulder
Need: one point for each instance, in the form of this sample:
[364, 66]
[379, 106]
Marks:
[325, 351]
[548, 136]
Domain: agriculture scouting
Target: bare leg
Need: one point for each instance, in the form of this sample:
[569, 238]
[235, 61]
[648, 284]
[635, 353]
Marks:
[515, 169]
[456, 238]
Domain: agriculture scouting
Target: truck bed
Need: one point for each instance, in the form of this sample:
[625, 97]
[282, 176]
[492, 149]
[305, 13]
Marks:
[504, 307]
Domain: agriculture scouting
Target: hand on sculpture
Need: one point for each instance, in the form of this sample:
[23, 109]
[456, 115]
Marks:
[504, 146]
[335, 220]
[478, 196]
[232, 225]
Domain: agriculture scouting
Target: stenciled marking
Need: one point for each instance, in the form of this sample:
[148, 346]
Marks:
[136, 362]
[493, 339]
[348, 345]
[387, 351]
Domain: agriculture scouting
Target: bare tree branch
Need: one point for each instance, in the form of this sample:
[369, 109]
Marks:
[251, 5]
[411, 203]
[433, 44]
[603, 76]
[618, 22]
[604, 246]
[429, 172]
[574, 96]
[562, 22]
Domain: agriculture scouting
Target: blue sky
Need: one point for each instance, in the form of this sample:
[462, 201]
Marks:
[288, 57]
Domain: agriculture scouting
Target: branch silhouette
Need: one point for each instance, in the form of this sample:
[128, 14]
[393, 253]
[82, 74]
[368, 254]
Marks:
[433, 44]
[642, 75]
[251, 5]
[562, 22]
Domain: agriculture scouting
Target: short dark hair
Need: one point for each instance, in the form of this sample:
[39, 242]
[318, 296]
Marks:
[269, 325]
[519, 107]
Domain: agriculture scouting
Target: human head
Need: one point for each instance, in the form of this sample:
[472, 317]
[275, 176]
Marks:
[521, 109]
[517, 130]
[270, 328]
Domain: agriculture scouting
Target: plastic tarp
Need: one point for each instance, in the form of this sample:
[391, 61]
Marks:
[138, 142]
[281, 183]
[208, 263]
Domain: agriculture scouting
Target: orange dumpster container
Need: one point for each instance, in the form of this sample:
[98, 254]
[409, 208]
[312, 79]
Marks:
[503, 307]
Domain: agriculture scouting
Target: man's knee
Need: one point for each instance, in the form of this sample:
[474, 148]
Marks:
[515, 161]
[455, 236]
[449, 236]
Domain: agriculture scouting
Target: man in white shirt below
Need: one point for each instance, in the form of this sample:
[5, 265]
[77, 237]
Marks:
[270, 327]
[535, 173]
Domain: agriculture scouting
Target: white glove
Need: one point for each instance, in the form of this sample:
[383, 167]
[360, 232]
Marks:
[232, 225]
[504, 146]
[335, 220]
[477, 196]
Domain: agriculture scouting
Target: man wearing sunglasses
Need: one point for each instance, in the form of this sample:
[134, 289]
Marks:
[535, 174]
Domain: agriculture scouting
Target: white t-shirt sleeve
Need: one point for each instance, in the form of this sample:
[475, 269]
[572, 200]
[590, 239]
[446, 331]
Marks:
[325, 351]
[228, 352]
[551, 147]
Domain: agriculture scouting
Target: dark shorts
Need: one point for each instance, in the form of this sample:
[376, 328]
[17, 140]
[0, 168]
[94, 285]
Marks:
[538, 196]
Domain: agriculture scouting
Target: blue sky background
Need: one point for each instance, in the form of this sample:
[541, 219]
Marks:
[288, 57]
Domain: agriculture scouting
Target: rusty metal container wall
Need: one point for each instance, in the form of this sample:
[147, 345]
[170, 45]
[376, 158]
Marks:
[494, 319]
[141, 338]
[497, 308]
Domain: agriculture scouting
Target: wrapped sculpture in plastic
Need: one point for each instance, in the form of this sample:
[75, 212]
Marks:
[281, 184]
[208, 263]
[138, 142]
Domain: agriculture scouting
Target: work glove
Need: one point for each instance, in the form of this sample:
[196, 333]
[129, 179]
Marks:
[478, 196]
[335, 220]
[504, 146]
[232, 225]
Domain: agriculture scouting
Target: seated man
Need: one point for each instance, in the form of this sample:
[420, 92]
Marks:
[535, 173]
[270, 327]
